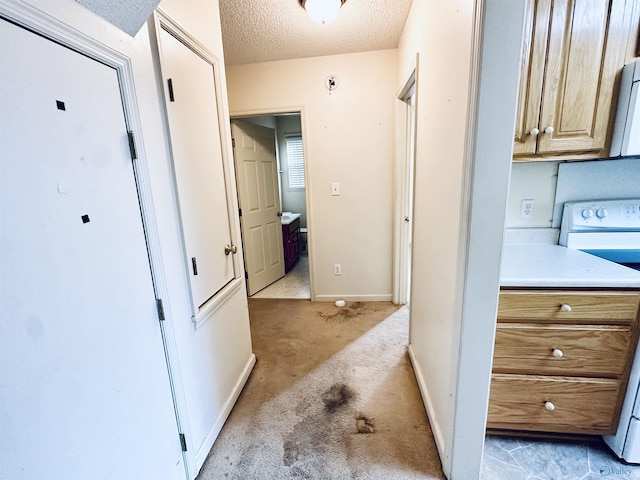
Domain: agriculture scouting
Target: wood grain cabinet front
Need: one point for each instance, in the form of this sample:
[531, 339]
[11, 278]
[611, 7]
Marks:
[562, 360]
[572, 54]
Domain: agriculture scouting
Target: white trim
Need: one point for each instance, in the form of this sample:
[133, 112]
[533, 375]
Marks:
[207, 310]
[207, 443]
[426, 399]
[401, 238]
[53, 29]
[354, 298]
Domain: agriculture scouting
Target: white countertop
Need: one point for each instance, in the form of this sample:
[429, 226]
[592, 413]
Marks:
[552, 266]
[288, 217]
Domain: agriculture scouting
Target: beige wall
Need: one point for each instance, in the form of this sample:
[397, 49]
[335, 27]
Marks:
[440, 31]
[348, 137]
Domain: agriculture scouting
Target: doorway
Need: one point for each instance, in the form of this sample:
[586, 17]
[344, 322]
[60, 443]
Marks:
[291, 197]
[405, 187]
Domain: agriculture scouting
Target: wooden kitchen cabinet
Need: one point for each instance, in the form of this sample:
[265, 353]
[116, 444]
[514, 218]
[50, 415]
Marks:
[291, 243]
[572, 55]
[562, 360]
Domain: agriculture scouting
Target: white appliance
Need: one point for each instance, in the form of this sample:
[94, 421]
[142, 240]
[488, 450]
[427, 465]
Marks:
[611, 229]
[626, 131]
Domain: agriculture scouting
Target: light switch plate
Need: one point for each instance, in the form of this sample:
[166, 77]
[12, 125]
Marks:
[335, 189]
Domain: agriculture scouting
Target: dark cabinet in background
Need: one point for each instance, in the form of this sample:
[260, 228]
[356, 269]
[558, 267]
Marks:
[291, 242]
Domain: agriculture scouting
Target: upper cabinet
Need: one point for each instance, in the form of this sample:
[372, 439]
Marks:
[572, 53]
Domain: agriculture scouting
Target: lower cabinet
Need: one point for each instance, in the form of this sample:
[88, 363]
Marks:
[562, 360]
[291, 243]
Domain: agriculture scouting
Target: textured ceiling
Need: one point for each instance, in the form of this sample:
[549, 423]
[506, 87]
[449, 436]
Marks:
[127, 15]
[266, 30]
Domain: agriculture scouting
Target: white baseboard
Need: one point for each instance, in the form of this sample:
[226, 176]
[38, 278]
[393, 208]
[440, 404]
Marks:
[205, 447]
[428, 404]
[354, 298]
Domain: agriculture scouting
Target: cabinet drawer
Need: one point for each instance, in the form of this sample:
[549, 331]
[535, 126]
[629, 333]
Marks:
[579, 307]
[578, 350]
[580, 405]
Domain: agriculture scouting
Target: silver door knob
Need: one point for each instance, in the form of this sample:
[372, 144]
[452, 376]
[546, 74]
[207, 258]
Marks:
[279, 214]
[230, 249]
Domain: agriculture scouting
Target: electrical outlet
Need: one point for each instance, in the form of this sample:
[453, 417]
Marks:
[526, 208]
[337, 269]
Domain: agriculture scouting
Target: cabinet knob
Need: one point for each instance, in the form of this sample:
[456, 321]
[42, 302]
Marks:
[548, 130]
[549, 406]
[557, 353]
[565, 307]
[534, 132]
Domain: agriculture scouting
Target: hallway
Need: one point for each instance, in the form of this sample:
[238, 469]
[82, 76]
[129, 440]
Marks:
[333, 395]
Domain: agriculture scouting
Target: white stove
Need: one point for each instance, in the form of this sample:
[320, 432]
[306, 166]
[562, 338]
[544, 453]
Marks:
[611, 229]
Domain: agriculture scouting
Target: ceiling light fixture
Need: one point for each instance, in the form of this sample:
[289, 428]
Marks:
[322, 11]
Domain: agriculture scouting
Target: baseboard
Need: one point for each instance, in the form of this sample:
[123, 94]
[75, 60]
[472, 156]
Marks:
[205, 447]
[354, 298]
[428, 404]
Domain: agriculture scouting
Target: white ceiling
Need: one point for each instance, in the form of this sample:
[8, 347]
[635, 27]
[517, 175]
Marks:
[266, 30]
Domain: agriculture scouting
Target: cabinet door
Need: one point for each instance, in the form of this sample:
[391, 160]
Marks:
[534, 50]
[587, 40]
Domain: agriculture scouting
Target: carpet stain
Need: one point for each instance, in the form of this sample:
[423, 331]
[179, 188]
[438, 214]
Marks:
[345, 313]
[291, 452]
[365, 424]
[336, 397]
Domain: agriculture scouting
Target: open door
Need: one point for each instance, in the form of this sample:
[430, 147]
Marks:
[257, 178]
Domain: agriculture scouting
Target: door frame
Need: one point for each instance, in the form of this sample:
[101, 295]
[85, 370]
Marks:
[402, 236]
[299, 110]
[41, 23]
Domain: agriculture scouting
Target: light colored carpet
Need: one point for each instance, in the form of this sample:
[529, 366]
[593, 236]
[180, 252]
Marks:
[332, 396]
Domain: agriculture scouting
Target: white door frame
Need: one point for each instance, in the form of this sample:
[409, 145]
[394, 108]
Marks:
[51, 28]
[239, 115]
[404, 189]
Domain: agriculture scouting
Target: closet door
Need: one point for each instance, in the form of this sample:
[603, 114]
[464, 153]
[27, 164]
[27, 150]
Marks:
[84, 387]
[198, 166]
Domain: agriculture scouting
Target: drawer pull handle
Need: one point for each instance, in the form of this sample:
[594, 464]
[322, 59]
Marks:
[549, 406]
[565, 307]
[557, 353]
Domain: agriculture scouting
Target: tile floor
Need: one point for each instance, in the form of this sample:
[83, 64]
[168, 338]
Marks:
[294, 284]
[511, 458]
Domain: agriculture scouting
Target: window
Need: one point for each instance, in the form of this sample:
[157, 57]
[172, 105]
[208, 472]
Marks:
[295, 161]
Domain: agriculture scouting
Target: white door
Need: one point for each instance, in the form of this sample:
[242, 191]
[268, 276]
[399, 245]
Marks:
[257, 177]
[84, 387]
[197, 158]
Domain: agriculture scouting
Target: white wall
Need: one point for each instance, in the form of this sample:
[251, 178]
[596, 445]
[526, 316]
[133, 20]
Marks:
[532, 181]
[463, 157]
[210, 371]
[440, 31]
[348, 137]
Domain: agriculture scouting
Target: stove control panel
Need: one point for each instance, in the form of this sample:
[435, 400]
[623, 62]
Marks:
[598, 215]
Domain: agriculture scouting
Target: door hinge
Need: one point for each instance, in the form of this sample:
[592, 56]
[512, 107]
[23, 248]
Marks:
[240, 212]
[246, 275]
[160, 308]
[132, 145]
[170, 87]
[183, 442]
[194, 264]
[233, 142]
